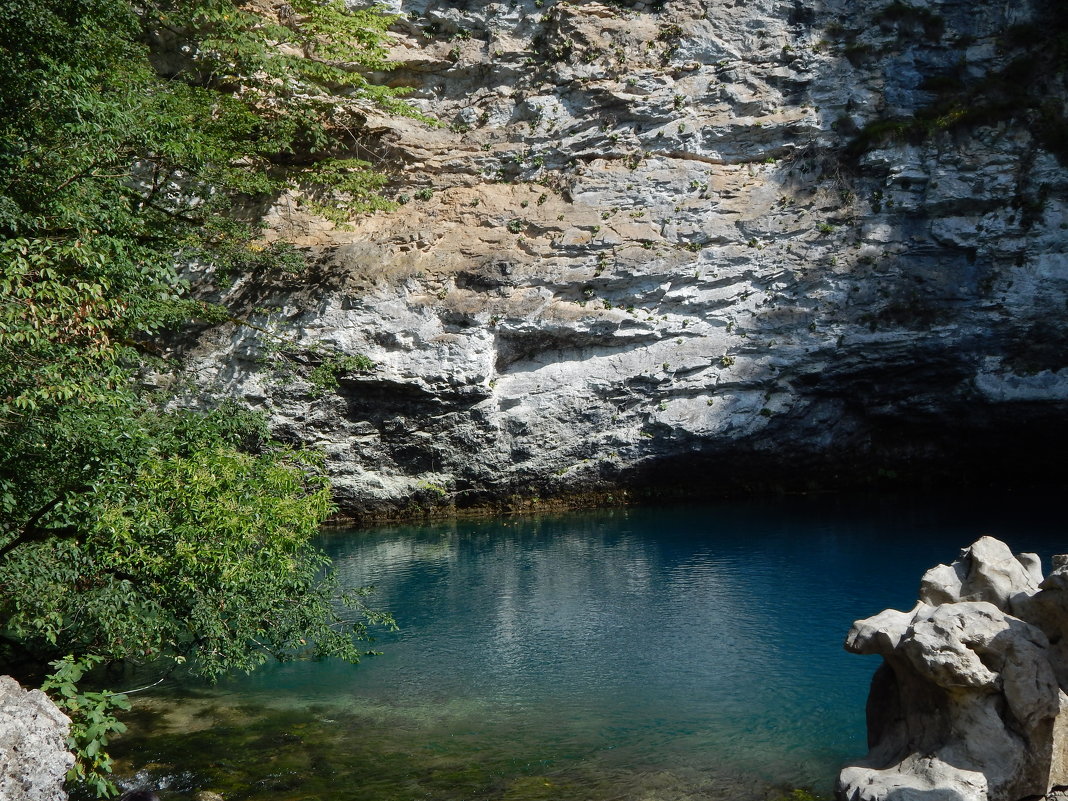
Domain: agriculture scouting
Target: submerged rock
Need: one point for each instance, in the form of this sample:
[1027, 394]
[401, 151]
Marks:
[967, 704]
[34, 759]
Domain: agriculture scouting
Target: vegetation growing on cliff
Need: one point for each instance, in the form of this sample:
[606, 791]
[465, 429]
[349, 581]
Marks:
[1035, 69]
[132, 136]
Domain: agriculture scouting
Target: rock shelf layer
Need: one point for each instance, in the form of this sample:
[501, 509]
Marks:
[970, 703]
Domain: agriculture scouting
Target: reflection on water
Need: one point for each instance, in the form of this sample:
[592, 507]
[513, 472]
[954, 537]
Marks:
[650, 653]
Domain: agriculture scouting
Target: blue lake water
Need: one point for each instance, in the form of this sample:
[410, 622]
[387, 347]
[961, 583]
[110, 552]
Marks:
[649, 653]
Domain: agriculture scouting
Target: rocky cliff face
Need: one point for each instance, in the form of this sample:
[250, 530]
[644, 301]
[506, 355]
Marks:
[690, 242]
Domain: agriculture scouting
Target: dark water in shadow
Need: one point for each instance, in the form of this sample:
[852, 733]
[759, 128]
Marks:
[654, 653]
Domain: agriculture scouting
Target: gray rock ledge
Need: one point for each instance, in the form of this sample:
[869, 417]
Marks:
[967, 703]
[34, 758]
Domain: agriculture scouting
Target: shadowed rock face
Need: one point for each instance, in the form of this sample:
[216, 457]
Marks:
[968, 703]
[718, 244]
[34, 759]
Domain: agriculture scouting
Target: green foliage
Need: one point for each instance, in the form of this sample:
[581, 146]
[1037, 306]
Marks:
[325, 376]
[130, 134]
[92, 721]
[110, 171]
[437, 490]
[64, 310]
[147, 536]
[353, 179]
[192, 537]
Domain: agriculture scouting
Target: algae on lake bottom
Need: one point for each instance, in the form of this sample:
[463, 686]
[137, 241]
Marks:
[321, 752]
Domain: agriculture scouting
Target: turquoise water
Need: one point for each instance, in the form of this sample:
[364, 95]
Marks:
[654, 653]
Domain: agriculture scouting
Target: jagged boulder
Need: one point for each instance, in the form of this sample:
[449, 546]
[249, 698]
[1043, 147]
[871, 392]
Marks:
[34, 758]
[968, 703]
[986, 571]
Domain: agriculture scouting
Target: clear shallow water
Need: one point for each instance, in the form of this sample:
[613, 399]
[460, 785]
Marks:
[656, 653]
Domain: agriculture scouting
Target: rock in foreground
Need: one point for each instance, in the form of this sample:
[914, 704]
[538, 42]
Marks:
[966, 706]
[33, 745]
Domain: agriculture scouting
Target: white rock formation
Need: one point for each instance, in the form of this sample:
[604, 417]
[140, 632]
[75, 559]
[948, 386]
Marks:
[968, 703]
[659, 246]
[34, 759]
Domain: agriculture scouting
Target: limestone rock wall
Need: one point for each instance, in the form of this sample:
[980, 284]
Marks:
[34, 759]
[970, 703]
[693, 241]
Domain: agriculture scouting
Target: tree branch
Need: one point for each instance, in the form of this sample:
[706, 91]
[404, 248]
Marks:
[32, 532]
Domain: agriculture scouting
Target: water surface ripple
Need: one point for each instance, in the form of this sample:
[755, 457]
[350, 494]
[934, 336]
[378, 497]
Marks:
[656, 653]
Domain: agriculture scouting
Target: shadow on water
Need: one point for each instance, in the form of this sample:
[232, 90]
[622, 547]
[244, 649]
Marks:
[651, 653]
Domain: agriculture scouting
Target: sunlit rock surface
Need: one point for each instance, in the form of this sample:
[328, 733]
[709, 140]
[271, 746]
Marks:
[33, 745]
[668, 245]
[970, 703]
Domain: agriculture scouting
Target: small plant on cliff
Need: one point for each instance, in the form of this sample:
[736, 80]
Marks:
[1034, 57]
[437, 490]
[324, 378]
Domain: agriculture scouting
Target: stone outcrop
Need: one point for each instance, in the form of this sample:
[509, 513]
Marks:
[34, 759]
[724, 244]
[970, 703]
